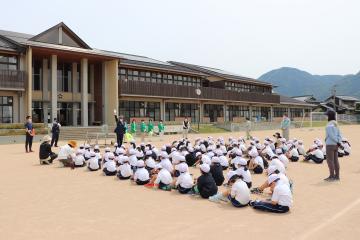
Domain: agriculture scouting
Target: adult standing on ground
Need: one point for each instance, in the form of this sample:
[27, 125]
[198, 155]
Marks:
[333, 141]
[285, 126]
[55, 130]
[248, 128]
[186, 127]
[29, 131]
[119, 129]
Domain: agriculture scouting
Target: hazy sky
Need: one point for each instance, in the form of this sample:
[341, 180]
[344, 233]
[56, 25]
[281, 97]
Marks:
[248, 37]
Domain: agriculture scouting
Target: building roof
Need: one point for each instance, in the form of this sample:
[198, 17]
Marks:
[306, 98]
[23, 40]
[291, 101]
[220, 73]
[146, 62]
[347, 98]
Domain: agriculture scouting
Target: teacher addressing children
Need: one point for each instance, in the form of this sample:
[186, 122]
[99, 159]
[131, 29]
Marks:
[119, 129]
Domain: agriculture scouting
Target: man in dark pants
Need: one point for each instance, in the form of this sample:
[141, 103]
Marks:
[29, 134]
[119, 129]
[55, 130]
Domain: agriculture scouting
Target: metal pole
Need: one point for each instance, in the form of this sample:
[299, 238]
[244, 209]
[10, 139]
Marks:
[199, 113]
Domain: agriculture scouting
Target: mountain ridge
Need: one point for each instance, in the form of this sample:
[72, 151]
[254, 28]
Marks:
[291, 81]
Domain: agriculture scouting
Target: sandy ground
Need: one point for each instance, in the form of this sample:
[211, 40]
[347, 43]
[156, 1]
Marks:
[50, 202]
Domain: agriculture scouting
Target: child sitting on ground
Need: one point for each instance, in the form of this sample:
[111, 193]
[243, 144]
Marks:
[110, 165]
[314, 154]
[256, 163]
[162, 179]
[238, 195]
[79, 160]
[141, 175]
[94, 162]
[184, 182]
[281, 198]
[124, 170]
[205, 185]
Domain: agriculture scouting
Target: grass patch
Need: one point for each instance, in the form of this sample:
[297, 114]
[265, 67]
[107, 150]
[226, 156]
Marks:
[208, 128]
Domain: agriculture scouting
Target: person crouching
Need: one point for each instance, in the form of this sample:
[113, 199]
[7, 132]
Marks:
[67, 154]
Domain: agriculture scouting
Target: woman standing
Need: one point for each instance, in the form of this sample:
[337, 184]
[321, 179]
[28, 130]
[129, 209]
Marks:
[333, 141]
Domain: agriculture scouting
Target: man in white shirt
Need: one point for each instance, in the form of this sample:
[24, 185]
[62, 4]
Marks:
[110, 165]
[238, 195]
[67, 154]
[141, 176]
[281, 199]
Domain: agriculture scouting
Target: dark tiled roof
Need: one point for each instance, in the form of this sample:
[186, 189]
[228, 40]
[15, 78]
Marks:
[291, 101]
[220, 73]
[142, 61]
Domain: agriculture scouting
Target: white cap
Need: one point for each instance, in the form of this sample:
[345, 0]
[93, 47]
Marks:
[132, 151]
[97, 147]
[238, 152]
[314, 146]
[182, 158]
[92, 154]
[140, 163]
[79, 151]
[148, 153]
[115, 144]
[205, 167]
[272, 178]
[197, 154]
[215, 159]
[283, 140]
[253, 153]
[271, 169]
[125, 159]
[107, 149]
[205, 159]
[182, 167]
[111, 156]
[139, 154]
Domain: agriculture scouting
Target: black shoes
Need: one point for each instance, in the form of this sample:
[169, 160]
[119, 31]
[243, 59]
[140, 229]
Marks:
[332, 179]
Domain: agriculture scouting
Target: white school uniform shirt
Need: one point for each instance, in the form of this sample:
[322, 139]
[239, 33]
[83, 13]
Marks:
[94, 163]
[318, 153]
[294, 152]
[283, 159]
[150, 162]
[347, 147]
[79, 160]
[185, 180]
[98, 154]
[268, 151]
[142, 174]
[259, 161]
[164, 176]
[165, 163]
[125, 170]
[106, 156]
[243, 147]
[324, 150]
[133, 160]
[119, 159]
[110, 165]
[279, 165]
[282, 194]
[246, 174]
[284, 179]
[241, 192]
[65, 152]
[87, 154]
[301, 150]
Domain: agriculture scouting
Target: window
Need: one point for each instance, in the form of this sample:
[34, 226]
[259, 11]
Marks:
[37, 112]
[64, 77]
[213, 111]
[181, 110]
[279, 112]
[6, 109]
[243, 87]
[8, 62]
[139, 109]
[261, 113]
[237, 111]
[37, 75]
[296, 112]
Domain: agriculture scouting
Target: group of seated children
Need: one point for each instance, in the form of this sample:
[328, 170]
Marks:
[221, 163]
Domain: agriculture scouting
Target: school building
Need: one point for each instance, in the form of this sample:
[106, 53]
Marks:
[56, 74]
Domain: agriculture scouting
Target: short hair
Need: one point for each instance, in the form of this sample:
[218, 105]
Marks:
[331, 115]
[28, 116]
